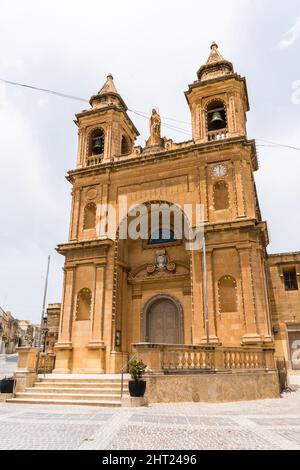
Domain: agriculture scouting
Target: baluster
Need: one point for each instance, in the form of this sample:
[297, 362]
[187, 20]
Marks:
[178, 360]
[238, 360]
[208, 359]
[256, 361]
[189, 360]
[233, 359]
[184, 360]
[243, 363]
[197, 363]
[227, 360]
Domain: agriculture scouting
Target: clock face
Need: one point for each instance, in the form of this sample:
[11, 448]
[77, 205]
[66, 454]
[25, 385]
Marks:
[219, 170]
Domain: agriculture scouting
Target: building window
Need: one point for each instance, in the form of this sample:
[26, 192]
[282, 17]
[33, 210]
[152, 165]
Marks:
[89, 217]
[227, 294]
[220, 196]
[84, 302]
[216, 116]
[290, 279]
[97, 142]
[162, 235]
[125, 145]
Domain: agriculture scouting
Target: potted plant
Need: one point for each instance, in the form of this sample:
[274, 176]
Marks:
[136, 386]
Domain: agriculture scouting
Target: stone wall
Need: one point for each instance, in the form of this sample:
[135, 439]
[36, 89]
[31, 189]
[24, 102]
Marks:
[212, 388]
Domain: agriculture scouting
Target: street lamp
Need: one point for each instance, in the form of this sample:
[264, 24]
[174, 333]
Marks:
[45, 333]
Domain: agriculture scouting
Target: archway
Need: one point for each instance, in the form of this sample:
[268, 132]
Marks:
[163, 320]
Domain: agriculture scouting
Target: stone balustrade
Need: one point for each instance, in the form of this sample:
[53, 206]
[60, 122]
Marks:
[217, 135]
[94, 160]
[185, 358]
[192, 359]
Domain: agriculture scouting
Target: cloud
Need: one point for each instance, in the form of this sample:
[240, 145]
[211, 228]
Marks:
[291, 36]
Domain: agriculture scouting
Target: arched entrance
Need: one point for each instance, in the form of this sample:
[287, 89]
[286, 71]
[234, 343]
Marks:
[163, 320]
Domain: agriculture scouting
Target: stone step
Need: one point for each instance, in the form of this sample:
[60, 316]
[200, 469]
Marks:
[99, 390]
[68, 396]
[46, 401]
[112, 385]
[80, 380]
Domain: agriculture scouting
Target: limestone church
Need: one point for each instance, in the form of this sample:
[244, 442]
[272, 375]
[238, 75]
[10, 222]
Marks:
[148, 296]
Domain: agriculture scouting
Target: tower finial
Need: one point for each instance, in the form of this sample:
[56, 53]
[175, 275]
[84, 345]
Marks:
[109, 86]
[215, 66]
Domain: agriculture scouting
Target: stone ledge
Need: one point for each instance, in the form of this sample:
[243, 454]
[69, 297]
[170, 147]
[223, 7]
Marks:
[5, 396]
[134, 402]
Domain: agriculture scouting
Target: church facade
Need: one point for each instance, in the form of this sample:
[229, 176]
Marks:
[125, 295]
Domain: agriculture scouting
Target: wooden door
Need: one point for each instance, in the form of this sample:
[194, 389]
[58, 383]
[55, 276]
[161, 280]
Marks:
[163, 322]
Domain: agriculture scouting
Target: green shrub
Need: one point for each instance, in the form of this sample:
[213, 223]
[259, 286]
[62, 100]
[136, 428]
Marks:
[136, 369]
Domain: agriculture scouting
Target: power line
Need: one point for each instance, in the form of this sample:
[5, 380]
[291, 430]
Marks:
[78, 98]
[45, 90]
[274, 144]
[138, 113]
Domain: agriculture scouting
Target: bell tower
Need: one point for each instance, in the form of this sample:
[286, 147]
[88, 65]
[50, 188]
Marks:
[105, 130]
[218, 100]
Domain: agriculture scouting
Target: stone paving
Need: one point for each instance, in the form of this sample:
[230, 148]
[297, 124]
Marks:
[265, 424]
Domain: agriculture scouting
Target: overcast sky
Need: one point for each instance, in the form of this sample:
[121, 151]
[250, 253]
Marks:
[153, 49]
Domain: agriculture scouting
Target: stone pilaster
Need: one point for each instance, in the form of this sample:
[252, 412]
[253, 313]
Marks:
[251, 335]
[212, 326]
[197, 292]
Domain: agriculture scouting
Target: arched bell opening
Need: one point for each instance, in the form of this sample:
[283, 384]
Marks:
[216, 116]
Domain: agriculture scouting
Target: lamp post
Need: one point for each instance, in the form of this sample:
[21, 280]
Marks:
[44, 300]
[45, 333]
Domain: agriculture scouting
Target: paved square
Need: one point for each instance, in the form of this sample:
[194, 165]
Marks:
[265, 424]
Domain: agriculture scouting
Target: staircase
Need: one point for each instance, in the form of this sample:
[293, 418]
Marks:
[102, 390]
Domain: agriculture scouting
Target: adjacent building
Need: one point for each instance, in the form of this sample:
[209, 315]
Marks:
[9, 332]
[284, 294]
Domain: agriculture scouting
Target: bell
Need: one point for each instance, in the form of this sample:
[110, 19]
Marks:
[217, 121]
[98, 146]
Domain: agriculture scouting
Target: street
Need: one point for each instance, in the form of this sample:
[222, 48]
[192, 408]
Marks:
[265, 424]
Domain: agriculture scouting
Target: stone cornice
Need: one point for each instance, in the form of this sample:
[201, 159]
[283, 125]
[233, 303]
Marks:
[234, 224]
[213, 81]
[204, 148]
[83, 244]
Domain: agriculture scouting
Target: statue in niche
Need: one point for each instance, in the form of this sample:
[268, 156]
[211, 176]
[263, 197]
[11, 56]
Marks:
[155, 130]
